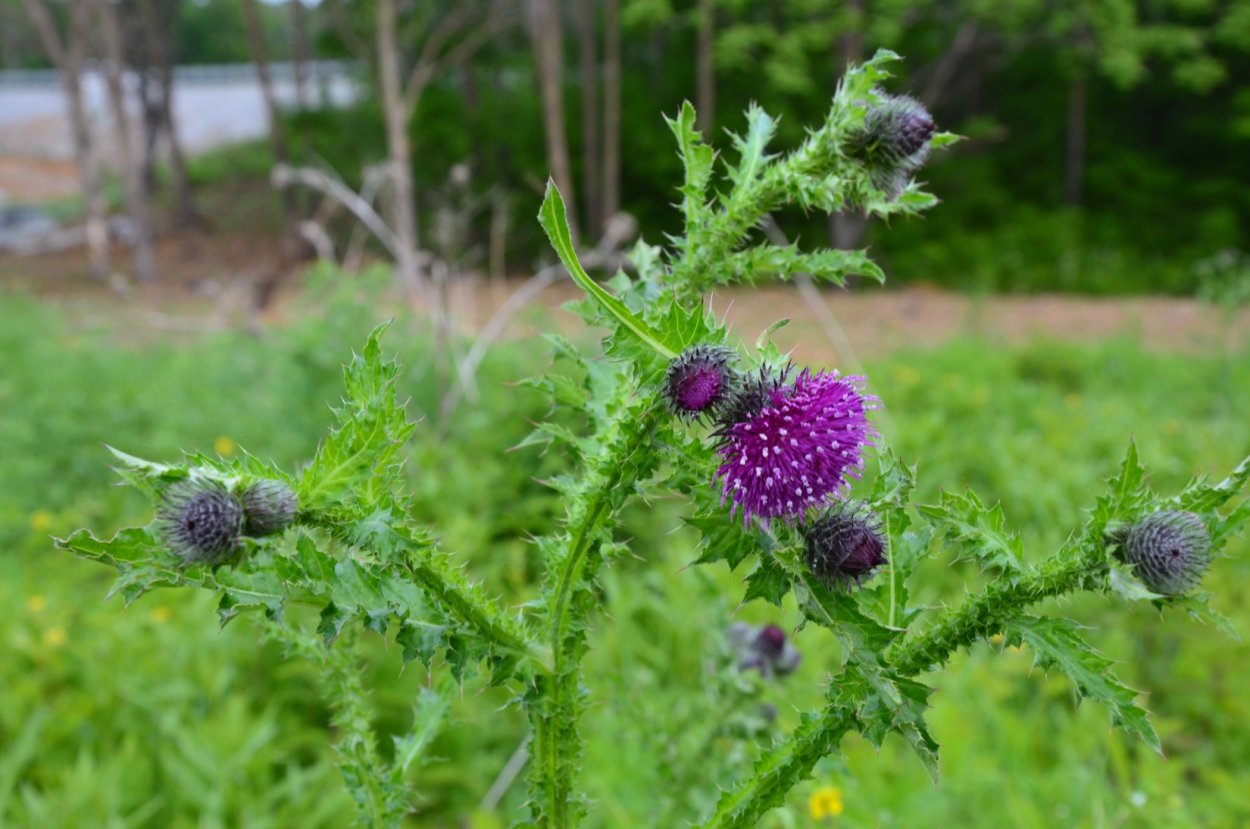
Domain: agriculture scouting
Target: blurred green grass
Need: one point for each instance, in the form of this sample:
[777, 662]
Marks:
[152, 717]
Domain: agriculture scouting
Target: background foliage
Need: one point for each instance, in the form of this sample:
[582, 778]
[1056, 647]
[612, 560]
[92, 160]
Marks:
[210, 726]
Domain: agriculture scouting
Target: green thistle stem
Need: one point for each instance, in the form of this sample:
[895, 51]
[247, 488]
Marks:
[553, 700]
[979, 616]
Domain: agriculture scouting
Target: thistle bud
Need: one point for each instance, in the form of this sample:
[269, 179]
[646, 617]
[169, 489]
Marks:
[700, 382]
[1170, 551]
[269, 507]
[844, 545]
[765, 649]
[200, 521]
[893, 141]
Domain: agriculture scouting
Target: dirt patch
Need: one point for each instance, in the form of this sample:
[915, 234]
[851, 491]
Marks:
[30, 180]
[209, 281]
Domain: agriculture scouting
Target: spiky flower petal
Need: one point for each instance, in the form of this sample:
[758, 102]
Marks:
[844, 545]
[200, 521]
[269, 507]
[700, 381]
[1170, 551]
[794, 444]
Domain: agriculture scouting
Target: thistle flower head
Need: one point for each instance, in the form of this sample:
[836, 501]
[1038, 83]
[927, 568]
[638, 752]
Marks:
[787, 447]
[893, 141]
[269, 507]
[200, 521]
[766, 649]
[1170, 551]
[700, 381]
[845, 545]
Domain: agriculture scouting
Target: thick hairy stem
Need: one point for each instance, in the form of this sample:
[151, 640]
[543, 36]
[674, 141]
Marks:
[980, 615]
[555, 726]
[553, 701]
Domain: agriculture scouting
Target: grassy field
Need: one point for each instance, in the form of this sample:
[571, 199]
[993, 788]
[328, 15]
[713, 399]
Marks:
[150, 716]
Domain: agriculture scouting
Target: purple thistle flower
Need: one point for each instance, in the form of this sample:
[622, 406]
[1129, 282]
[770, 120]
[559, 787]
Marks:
[791, 446]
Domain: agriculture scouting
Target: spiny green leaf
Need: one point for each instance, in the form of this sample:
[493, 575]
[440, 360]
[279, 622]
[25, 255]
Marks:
[768, 581]
[554, 220]
[697, 158]
[1198, 607]
[761, 127]
[826, 265]
[1056, 643]
[976, 533]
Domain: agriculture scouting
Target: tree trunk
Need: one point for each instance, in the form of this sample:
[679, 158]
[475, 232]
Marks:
[159, 24]
[589, 64]
[547, 38]
[705, 70]
[136, 194]
[299, 52]
[398, 116]
[68, 57]
[846, 230]
[10, 37]
[1074, 170]
[611, 110]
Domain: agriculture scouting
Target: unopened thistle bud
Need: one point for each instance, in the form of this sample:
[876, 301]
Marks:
[1170, 551]
[269, 507]
[844, 545]
[893, 142]
[200, 521]
[700, 382]
[765, 649]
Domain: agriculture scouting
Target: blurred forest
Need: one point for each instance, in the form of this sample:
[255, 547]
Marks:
[1107, 151]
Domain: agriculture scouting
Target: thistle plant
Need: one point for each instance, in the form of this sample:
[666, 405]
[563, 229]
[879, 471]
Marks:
[765, 457]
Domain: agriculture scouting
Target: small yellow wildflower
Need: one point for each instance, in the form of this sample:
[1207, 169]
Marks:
[54, 637]
[36, 603]
[41, 521]
[224, 446]
[162, 614]
[997, 638]
[825, 802]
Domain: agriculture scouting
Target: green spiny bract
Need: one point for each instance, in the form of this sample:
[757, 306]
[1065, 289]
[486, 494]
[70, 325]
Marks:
[201, 521]
[269, 507]
[1170, 551]
[893, 142]
[844, 545]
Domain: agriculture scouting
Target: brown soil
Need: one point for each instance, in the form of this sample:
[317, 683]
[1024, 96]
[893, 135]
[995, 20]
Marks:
[30, 179]
[209, 282]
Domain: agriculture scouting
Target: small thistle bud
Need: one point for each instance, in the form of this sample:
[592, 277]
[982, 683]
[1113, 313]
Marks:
[269, 507]
[200, 521]
[896, 132]
[893, 142]
[1170, 551]
[765, 649]
[844, 545]
[700, 382]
